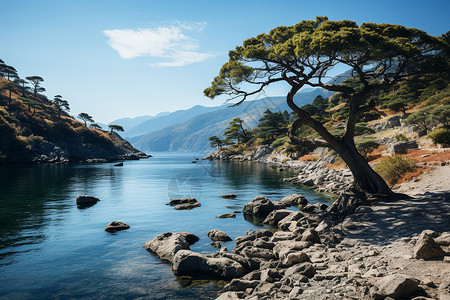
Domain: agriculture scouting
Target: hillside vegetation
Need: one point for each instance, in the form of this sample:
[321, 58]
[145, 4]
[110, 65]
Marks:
[36, 129]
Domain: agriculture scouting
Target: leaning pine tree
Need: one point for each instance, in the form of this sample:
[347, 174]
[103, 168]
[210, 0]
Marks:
[379, 56]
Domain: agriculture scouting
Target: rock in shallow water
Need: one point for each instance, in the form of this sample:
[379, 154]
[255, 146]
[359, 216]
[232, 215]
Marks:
[225, 216]
[166, 245]
[86, 200]
[174, 202]
[260, 207]
[218, 235]
[186, 262]
[115, 226]
[229, 196]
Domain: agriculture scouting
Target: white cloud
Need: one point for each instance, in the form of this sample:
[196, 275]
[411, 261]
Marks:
[168, 42]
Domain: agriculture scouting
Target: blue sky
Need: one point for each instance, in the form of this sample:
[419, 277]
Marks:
[117, 59]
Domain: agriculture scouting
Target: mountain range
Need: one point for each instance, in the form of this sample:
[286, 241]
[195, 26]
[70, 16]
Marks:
[189, 130]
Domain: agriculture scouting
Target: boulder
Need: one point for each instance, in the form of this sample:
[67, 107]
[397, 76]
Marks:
[259, 207]
[218, 235]
[186, 262]
[86, 200]
[225, 216]
[187, 206]
[166, 245]
[115, 226]
[402, 147]
[277, 215]
[444, 290]
[306, 269]
[427, 248]
[397, 285]
[174, 202]
[231, 296]
[241, 285]
[310, 235]
[309, 208]
[443, 240]
[294, 200]
[295, 258]
[228, 196]
[216, 244]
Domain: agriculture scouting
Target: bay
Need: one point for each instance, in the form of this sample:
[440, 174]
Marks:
[50, 249]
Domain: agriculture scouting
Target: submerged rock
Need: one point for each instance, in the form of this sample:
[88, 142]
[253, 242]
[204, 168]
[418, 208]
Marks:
[115, 226]
[187, 206]
[86, 201]
[174, 202]
[225, 216]
[166, 245]
[228, 196]
[218, 235]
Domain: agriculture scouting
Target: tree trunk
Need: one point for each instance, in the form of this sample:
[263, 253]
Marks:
[365, 177]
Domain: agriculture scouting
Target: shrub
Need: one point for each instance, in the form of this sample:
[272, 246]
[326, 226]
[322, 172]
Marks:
[366, 145]
[361, 128]
[280, 142]
[401, 137]
[393, 167]
[440, 136]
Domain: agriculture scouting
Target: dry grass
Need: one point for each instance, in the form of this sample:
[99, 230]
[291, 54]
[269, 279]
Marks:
[309, 157]
[376, 154]
[411, 175]
[431, 155]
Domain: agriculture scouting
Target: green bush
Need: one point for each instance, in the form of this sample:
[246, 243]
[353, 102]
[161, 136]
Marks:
[280, 142]
[366, 145]
[361, 128]
[401, 137]
[440, 136]
[393, 167]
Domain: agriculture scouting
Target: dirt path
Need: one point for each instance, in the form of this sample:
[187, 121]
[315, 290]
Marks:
[434, 180]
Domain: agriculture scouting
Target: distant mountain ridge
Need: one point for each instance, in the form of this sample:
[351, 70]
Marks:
[193, 133]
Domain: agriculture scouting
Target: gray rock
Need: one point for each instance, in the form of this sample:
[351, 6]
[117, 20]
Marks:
[218, 235]
[241, 285]
[253, 252]
[277, 215]
[402, 147]
[231, 296]
[259, 207]
[115, 226]
[397, 285]
[187, 206]
[86, 200]
[166, 245]
[310, 235]
[427, 248]
[444, 290]
[309, 208]
[186, 262]
[216, 244]
[443, 240]
[295, 258]
[305, 269]
[324, 225]
[225, 216]
[174, 202]
[294, 200]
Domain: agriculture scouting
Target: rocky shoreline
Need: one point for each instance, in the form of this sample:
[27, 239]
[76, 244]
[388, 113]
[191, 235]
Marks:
[374, 253]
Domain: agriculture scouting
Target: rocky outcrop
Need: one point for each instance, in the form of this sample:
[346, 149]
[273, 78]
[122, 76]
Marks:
[276, 216]
[402, 147]
[166, 245]
[115, 226]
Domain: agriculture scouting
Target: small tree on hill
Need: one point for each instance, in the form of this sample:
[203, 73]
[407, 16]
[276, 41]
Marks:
[86, 118]
[441, 114]
[236, 131]
[60, 104]
[215, 141]
[95, 126]
[378, 56]
[20, 82]
[115, 127]
[271, 125]
[35, 82]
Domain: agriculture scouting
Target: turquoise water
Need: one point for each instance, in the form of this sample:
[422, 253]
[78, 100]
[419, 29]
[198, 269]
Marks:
[50, 249]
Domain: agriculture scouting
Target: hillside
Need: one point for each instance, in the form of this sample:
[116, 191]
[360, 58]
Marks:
[193, 134]
[34, 129]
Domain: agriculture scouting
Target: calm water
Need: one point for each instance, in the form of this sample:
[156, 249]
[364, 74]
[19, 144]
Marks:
[50, 249]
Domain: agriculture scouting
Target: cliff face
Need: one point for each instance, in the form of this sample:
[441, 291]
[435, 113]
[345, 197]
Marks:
[32, 130]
